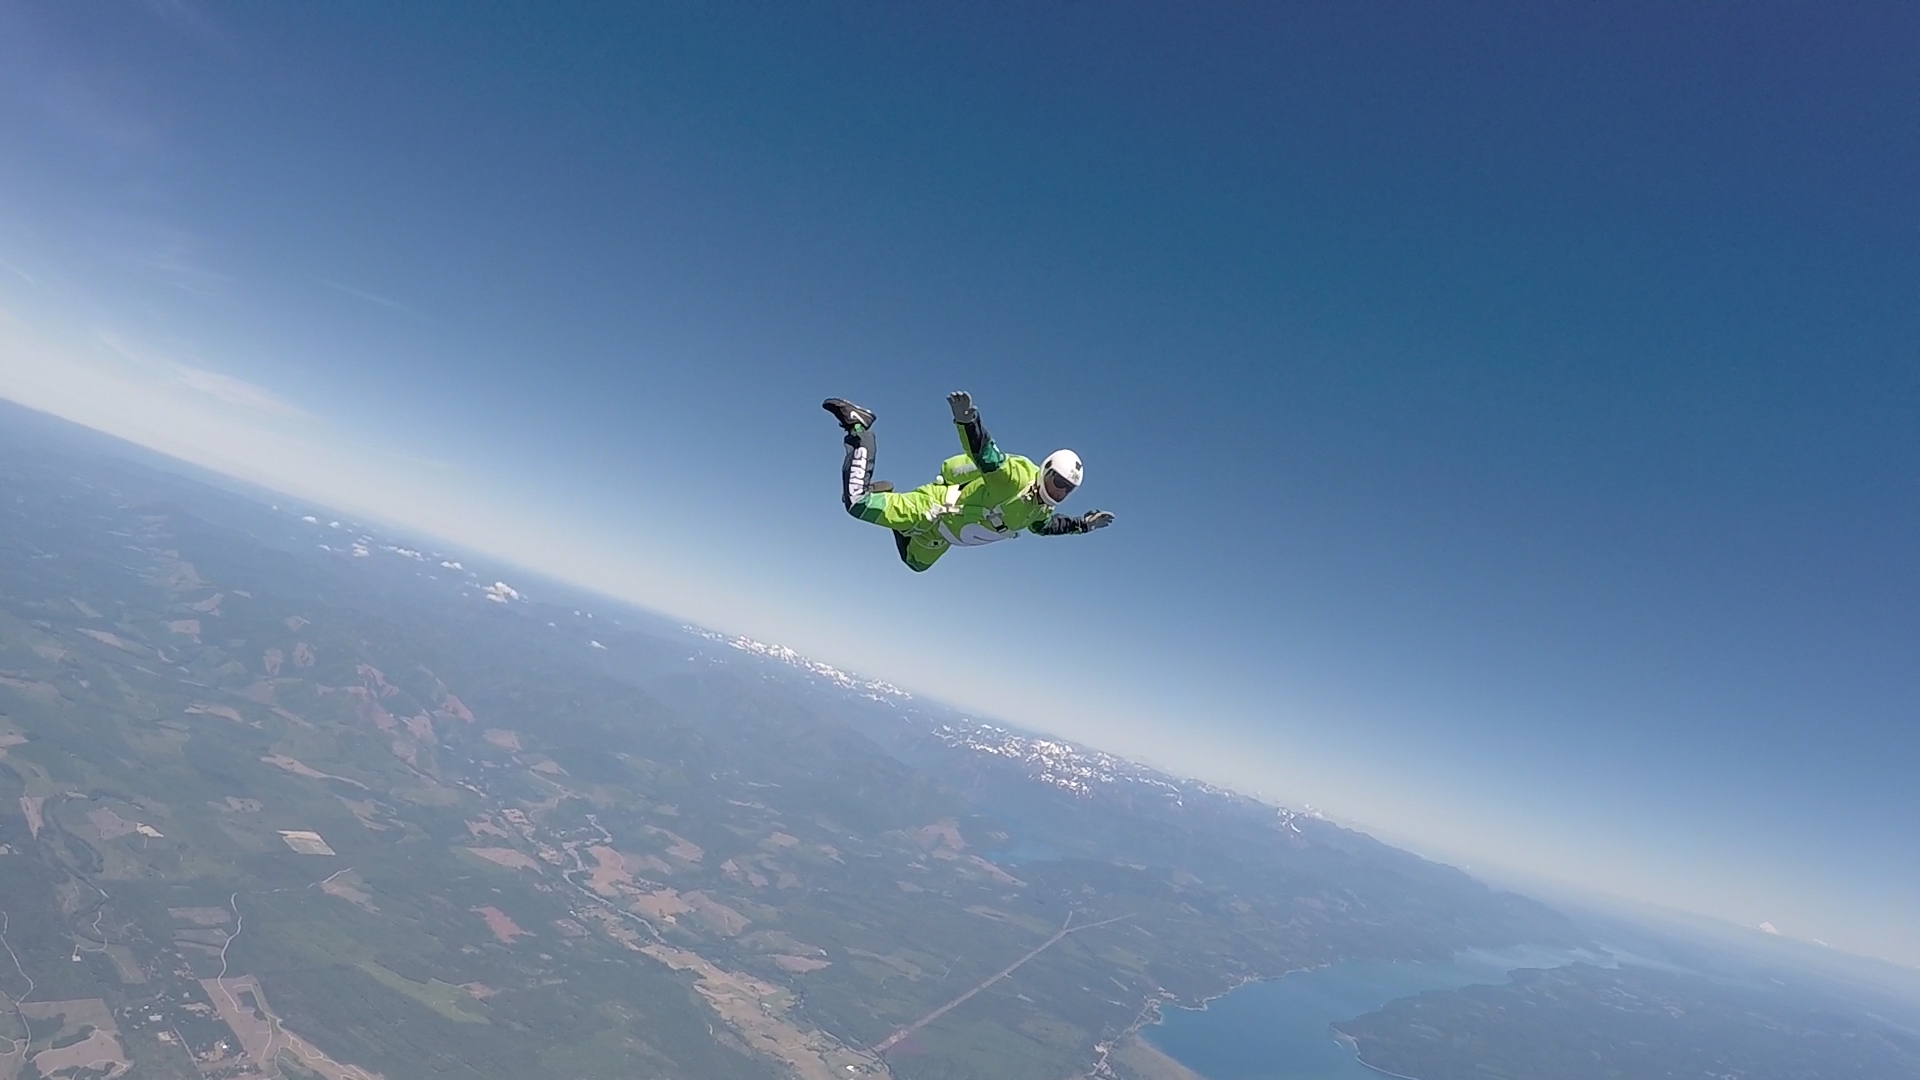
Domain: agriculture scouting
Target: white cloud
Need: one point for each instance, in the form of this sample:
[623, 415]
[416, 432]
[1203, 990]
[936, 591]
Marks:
[105, 381]
[111, 382]
[371, 298]
[183, 273]
[221, 388]
[233, 391]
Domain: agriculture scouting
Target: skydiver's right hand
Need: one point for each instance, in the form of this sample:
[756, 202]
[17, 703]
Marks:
[961, 403]
[1096, 519]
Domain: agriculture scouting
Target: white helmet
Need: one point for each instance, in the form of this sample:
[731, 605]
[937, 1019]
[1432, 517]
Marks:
[1059, 475]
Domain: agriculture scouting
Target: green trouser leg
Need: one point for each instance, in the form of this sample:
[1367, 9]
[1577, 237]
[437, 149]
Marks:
[909, 515]
[919, 550]
[901, 511]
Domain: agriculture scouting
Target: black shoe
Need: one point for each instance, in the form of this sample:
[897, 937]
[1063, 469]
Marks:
[880, 486]
[849, 414]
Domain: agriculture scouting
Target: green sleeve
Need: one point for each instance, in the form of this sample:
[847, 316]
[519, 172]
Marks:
[959, 470]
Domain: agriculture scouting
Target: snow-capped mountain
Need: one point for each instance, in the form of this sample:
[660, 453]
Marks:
[1087, 772]
[1078, 770]
[1053, 761]
[873, 689]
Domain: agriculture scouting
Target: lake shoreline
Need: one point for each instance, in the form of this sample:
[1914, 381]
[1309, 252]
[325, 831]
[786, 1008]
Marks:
[1286, 1026]
[1151, 1015]
[1353, 1044]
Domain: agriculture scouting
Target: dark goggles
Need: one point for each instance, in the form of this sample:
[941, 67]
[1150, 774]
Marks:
[1057, 487]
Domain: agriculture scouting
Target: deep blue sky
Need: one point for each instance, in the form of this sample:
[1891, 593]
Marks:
[1512, 411]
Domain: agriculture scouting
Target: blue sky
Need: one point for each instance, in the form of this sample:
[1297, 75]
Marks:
[1510, 410]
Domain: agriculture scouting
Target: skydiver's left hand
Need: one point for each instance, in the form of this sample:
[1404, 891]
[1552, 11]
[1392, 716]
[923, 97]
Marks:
[961, 403]
[1096, 519]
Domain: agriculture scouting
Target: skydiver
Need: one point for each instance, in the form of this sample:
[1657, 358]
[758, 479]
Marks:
[980, 496]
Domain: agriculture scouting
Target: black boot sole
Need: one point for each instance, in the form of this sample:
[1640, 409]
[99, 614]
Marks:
[847, 413]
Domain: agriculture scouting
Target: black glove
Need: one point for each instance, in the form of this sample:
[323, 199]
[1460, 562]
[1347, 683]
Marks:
[1096, 519]
[961, 403]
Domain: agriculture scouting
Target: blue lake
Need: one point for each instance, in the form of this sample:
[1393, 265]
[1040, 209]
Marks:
[1278, 1029]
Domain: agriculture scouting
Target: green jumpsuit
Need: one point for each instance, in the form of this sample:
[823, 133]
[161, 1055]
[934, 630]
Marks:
[981, 496]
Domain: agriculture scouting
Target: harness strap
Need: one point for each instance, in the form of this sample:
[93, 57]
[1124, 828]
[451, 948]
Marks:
[948, 504]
